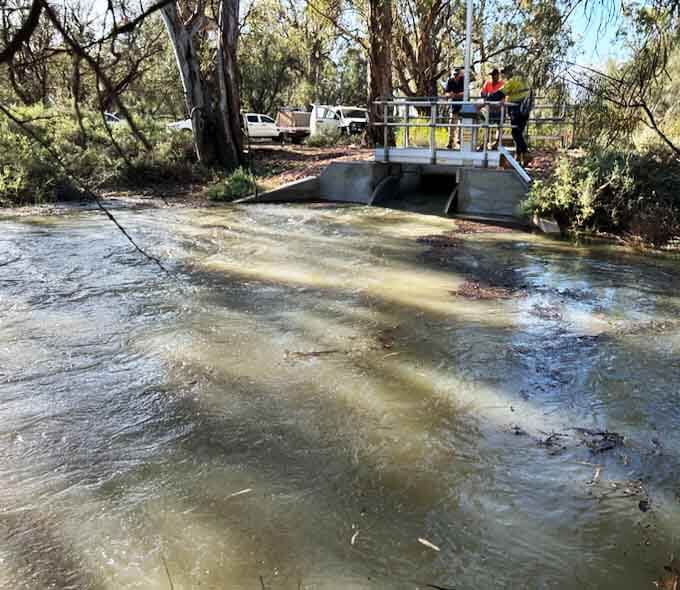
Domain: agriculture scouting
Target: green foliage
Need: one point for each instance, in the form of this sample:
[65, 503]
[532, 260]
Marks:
[420, 136]
[323, 139]
[240, 183]
[635, 194]
[30, 174]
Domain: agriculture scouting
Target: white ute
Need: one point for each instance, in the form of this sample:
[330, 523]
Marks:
[261, 126]
[352, 120]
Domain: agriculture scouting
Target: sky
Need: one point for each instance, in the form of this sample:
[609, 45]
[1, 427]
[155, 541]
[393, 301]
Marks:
[595, 36]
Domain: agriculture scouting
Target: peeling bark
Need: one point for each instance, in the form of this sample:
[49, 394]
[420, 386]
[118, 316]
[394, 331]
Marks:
[216, 119]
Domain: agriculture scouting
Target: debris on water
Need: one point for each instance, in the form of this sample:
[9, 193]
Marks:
[553, 442]
[596, 476]
[611, 490]
[518, 430]
[441, 241]
[477, 290]
[428, 544]
[671, 579]
[240, 493]
[386, 337]
[353, 540]
[599, 441]
[472, 227]
[312, 353]
[546, 312]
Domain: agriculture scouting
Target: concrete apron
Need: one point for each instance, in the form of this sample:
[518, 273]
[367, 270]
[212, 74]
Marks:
[482, 194]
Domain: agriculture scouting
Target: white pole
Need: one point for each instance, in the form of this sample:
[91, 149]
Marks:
[468, 50]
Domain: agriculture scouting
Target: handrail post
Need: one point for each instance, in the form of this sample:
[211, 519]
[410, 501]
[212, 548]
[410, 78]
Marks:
[433, 128]
[487, 132]
[407, 135]
[501, 126]
[386, 131]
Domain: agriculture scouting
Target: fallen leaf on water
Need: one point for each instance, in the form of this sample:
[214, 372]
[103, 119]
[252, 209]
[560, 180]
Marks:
[239, 493]
[428, 544]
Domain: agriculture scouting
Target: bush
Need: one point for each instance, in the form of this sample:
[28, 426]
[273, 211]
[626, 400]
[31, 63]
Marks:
[238, 184]
[325, 139]
[29, 173]
[632, 194]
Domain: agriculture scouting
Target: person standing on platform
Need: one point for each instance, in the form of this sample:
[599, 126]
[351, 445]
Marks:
[518, 94]
[492, 92]
[455, 88]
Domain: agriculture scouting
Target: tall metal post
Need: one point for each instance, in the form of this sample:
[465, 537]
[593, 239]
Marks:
[468, 50]
[407, 129]
[433, 132]
[386, 132]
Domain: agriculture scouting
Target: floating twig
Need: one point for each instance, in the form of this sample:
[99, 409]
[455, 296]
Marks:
[428, 544]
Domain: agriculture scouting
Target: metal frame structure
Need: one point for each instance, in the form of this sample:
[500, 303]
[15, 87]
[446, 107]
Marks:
[398, 113]
[432, 154]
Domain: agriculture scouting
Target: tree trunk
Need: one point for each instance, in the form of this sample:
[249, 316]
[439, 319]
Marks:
[203, 121]
[379, 63]
[229, 83]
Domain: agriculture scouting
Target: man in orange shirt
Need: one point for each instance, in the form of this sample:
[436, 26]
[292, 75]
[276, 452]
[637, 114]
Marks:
[493, 85]
[491, 90]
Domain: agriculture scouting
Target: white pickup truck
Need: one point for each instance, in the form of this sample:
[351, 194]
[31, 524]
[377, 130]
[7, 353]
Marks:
[293, 124]
[258, 126]
[297, 124]
[352, 120]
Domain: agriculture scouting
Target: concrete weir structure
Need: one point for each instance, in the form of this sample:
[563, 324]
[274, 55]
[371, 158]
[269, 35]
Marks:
[493, 194]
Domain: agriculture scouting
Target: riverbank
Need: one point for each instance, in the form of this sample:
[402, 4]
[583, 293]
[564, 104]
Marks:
[272, 165]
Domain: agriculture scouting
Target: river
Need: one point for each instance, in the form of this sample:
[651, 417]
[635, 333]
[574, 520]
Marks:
[332, 398]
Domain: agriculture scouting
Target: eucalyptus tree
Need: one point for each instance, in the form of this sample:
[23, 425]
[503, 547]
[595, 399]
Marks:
[214, 108]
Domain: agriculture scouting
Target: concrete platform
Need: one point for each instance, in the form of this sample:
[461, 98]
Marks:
[492, 194]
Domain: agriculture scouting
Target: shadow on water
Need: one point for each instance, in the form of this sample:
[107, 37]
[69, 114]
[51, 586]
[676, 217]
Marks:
[403, 433]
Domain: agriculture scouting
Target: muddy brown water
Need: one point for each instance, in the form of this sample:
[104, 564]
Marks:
[310, 395]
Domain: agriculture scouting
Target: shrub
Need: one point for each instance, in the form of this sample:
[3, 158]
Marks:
[324, 139]
[632, 194]
[238, 184]
[28, 172]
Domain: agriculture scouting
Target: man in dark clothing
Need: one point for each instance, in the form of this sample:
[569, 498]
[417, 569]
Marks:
[455, 91]
[516, 90]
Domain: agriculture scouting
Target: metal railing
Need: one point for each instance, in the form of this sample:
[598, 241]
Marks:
[438, 113]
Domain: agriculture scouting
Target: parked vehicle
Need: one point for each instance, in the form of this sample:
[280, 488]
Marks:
[293, 123]
[324, 120]
[184, 124]
[261, 126]
[113, 119]
[352, 120]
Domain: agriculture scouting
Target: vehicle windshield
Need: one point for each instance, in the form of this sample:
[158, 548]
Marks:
[353, 114]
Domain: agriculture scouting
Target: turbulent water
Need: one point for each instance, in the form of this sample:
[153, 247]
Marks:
[319, 398]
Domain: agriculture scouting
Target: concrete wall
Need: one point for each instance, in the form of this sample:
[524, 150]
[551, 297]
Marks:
[353, 182]
[305, 189]
[489, 192]
[481, 192]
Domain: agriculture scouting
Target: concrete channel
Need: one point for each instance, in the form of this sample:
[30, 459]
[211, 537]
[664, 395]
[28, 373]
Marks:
[485, 194]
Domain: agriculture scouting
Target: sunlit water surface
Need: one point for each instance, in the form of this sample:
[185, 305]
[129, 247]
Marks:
[304, 398]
